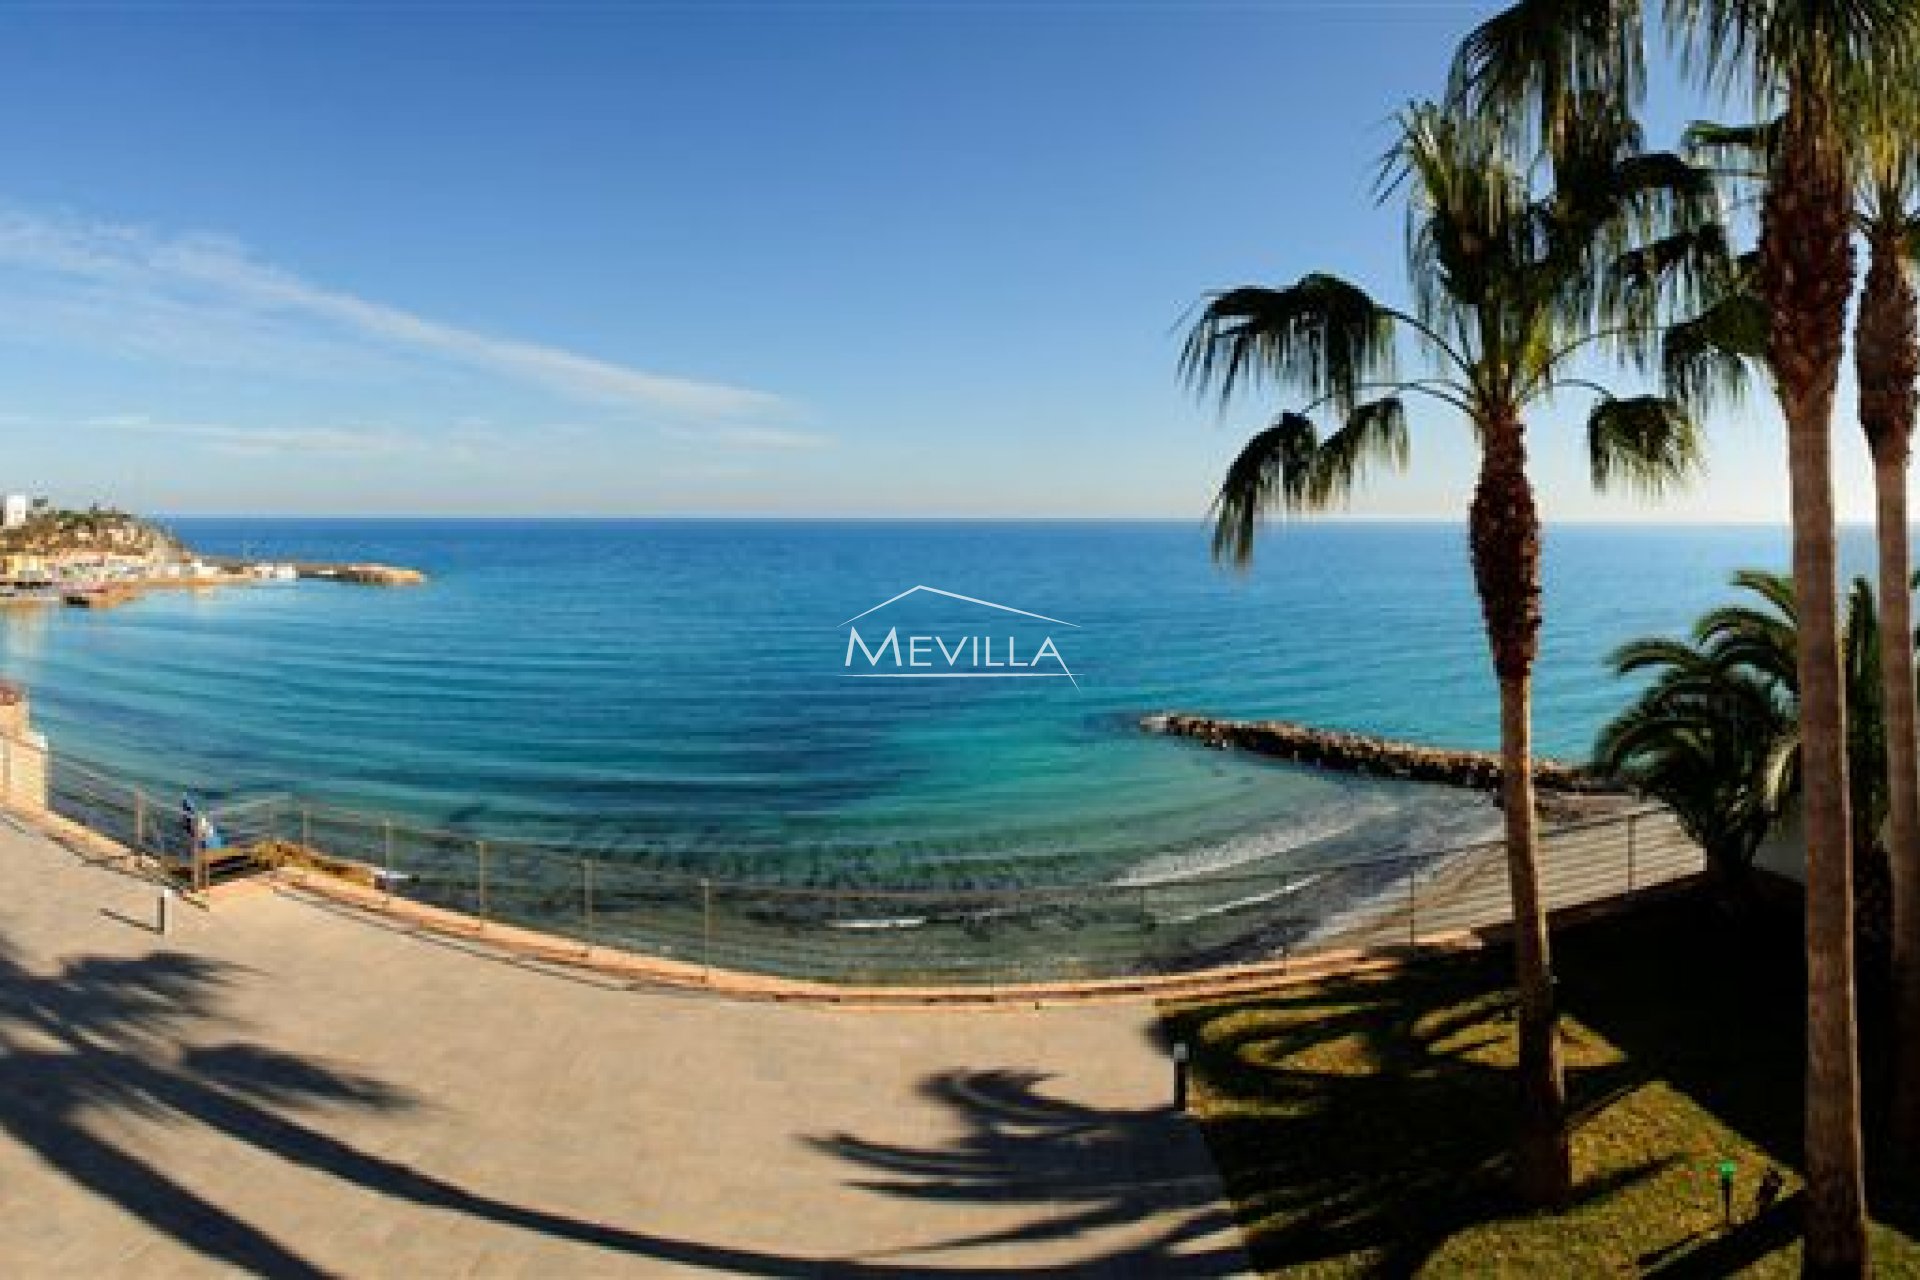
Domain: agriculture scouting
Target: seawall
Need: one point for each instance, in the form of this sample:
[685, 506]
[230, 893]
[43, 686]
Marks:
[1366, 754]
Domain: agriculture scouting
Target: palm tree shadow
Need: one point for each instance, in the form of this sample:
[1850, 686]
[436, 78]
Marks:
[1081, 1169]
[1734, 1251]
[100, 1037]
[1364, 1120]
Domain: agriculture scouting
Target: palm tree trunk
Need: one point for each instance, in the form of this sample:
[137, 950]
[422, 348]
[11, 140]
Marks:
[1806, 269]
[1887, 361]
[1504, 528]
[1903, 795]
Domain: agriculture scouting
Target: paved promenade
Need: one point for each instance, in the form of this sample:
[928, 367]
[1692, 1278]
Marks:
[282, 1088]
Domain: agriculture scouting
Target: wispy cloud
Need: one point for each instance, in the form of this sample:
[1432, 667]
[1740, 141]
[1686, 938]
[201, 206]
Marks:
[261, 441]
[132, 286]
[725, 436]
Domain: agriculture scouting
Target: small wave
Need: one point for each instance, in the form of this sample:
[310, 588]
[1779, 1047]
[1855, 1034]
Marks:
[1256, 846]
[1370, 820]
[1236, 904]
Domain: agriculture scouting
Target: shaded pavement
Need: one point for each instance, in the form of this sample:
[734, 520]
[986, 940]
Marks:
[285, 1088]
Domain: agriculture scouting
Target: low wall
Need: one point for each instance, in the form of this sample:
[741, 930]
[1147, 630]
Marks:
[1365, 754]
[23, 754]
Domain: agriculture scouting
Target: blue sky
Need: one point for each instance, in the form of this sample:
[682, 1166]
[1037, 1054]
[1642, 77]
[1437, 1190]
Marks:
[821, 259]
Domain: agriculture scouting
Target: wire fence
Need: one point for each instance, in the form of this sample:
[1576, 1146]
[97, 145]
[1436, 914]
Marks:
[895, 934]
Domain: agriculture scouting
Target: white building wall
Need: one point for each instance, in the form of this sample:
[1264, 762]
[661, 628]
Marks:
[1784, 851]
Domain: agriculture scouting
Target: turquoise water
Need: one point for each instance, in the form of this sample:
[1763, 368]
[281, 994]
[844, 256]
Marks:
[679, 687]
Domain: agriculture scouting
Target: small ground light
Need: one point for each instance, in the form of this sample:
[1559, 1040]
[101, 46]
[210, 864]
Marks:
[1726, 1170]
[1180, 1057]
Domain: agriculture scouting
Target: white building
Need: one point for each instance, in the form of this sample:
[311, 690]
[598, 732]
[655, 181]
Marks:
[13, 511]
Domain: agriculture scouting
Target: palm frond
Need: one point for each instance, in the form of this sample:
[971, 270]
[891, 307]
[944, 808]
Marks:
[1707, 360]
[1527, 66]
[1744, 148]
[1288, 468]
[1468, 216]
[1321, 334]
[1655, 653]
[1649, 444]
[1674, 272]
[1375, 433]
[1820, 45]
[1274, 469]
[1774, 587]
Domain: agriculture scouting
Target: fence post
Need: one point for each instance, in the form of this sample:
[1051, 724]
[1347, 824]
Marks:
[1631, 820]
[480, 851]
[586, 883]
[1413, 905]
[139, 820]
[706, 928]
[306, 825]
[386, 841]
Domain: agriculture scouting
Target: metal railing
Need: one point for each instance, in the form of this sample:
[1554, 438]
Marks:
[943, 931]
[932, 933]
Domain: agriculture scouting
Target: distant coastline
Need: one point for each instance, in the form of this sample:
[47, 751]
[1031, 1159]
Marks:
[101, 556]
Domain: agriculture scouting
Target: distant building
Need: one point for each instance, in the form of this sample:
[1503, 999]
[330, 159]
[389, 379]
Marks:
[13, 511]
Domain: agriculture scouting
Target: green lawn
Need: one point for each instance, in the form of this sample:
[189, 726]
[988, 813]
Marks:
[1361, 1123]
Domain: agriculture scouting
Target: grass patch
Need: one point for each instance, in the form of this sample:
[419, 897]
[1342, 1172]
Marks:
[1362, 1124]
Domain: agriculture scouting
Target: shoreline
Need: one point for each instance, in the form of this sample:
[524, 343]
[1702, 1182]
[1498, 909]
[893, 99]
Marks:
[110, 592]
[885, 933]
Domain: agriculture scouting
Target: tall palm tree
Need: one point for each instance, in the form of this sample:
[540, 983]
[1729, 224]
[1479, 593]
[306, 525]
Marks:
[1505, 261]
[1886, 353]
[1519, 68]
[1716, 733]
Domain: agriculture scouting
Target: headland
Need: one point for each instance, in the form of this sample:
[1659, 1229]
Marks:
[100, 557]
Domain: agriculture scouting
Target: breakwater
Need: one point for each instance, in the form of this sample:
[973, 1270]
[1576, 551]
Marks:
[1373, 756]
[371, 575]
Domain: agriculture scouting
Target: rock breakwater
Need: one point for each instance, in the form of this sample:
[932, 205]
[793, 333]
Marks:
[1366, 754]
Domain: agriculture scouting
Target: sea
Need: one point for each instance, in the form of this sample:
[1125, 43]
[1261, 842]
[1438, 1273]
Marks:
[691, 691]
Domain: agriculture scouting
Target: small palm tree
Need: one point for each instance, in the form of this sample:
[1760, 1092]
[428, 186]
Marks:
[1506, 262]
[1716, 734]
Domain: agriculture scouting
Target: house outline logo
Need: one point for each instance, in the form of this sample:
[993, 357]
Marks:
[929, 657]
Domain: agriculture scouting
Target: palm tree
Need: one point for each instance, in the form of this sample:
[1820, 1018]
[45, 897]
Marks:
[1715, 734]
[1886, 353]
[1503, 260]
[1520, 68]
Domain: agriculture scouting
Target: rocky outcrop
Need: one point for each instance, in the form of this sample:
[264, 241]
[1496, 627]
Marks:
[97, 531]
[1365, 754]
[371, 575]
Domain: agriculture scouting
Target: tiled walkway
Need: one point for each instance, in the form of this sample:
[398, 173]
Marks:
[282, 1088]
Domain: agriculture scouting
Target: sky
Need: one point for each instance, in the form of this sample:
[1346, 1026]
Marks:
[820, 259]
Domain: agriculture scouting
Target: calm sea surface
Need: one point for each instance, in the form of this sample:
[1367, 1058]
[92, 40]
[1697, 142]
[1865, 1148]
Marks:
[678, 686]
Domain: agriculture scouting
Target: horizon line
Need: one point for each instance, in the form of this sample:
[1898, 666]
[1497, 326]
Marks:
[1780, 522]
